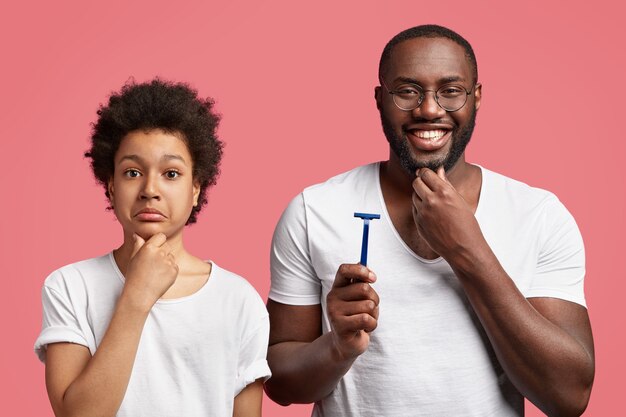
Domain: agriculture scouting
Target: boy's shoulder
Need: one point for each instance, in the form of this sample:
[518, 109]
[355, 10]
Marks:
[81, 272]
[230, 281]
[234, 286]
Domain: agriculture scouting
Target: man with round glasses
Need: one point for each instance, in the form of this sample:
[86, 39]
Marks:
[472, 298]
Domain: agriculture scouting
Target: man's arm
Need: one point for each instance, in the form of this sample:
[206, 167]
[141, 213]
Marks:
[306, 365]
[81, 385]
[544, 344]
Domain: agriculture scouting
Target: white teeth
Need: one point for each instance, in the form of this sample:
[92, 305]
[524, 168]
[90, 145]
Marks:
[429, 134]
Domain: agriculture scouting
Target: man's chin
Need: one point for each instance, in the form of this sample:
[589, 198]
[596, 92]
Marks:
[411, 164]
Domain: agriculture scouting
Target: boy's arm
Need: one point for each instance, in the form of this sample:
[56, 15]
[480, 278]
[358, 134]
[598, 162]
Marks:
[81, 385]
[248, 401]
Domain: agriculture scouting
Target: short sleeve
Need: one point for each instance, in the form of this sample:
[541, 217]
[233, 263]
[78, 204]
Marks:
[59, 323]
[252, 363]
[560, 270]
[294, 280]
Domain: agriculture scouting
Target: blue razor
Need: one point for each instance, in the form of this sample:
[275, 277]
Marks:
[366, 230]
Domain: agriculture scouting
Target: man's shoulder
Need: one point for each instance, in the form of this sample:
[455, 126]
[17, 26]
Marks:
[515, 199]
[510, 188]
[346, 182]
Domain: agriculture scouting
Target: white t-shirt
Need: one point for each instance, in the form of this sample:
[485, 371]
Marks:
[196, 352]
[429, 355]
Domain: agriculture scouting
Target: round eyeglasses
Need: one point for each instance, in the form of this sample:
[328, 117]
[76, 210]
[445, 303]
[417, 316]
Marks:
[450, 97]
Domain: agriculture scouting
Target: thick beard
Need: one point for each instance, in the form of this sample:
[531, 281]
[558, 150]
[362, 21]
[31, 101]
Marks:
[400, 145]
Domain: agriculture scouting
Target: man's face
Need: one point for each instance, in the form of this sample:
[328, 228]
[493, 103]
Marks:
[427, 136]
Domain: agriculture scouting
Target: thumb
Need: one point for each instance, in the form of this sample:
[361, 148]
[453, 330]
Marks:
[138, 243]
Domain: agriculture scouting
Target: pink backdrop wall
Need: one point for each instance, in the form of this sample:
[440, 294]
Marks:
[294, 82]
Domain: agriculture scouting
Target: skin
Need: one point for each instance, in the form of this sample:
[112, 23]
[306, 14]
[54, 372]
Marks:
[152, 169]
[545, 345]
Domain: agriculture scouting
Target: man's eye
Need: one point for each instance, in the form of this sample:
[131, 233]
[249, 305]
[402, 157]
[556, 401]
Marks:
[132, 173]
[172, 174]
[408, 92]
[451, 91]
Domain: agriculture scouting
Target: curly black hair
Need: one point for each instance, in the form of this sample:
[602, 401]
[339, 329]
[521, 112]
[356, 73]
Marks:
[158, 104]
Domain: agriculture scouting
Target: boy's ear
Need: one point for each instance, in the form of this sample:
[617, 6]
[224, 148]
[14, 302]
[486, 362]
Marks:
[196, 192]
[110, 189]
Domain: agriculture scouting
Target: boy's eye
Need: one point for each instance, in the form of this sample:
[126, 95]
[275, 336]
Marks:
[132, 173]
[172, 174]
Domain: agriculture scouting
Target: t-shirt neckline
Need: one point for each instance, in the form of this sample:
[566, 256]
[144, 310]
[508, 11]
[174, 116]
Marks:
[393, 228]
[191, 296]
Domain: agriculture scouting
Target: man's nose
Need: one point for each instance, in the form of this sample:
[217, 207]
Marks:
[429, 109]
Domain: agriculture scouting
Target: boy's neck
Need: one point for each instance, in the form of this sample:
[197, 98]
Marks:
[123, 254]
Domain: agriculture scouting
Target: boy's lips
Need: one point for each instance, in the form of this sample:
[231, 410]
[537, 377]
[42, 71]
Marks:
[150, 214]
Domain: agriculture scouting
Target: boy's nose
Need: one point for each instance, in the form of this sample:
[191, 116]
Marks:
[150, 190]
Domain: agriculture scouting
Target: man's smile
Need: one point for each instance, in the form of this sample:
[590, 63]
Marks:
[428, 139]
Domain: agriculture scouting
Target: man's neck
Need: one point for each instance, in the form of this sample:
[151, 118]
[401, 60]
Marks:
[396, 181]
[396, 184]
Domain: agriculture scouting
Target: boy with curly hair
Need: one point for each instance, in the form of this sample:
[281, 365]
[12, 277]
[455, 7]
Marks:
[150, 329]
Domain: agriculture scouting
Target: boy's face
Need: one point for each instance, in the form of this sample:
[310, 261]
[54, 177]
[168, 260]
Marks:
[152, 189]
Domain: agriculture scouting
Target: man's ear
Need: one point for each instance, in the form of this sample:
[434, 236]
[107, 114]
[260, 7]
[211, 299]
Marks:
[478, 91]
[378, 96]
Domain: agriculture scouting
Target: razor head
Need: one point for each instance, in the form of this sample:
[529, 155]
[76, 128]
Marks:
[367, 216]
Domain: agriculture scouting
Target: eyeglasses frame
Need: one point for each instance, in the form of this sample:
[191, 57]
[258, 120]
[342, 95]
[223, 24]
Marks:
[424, 91]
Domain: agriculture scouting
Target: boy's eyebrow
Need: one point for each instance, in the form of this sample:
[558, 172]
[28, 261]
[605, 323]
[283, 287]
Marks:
[169, 157]
[135, 158]
[166, 157]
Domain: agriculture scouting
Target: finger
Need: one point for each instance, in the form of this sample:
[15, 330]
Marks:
[430, 179]
[358, 307]
[157, 239]
[375, 313]
[417, 201]
[172, 259]
[358, 291]
[348, 273]
[166, 248]
[420, 188]
[351, 324]
[441, 173]
[174, 264]
[138, 242]
[416, 214]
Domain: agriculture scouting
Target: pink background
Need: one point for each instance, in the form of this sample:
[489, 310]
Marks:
[294, 82]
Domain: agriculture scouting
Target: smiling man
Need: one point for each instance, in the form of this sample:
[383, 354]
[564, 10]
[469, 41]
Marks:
[472, 298]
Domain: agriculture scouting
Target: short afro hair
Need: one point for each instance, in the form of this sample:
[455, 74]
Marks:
[172, 107]
[428, 31]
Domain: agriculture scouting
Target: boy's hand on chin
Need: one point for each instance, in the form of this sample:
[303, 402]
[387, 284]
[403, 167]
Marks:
[151, 271]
